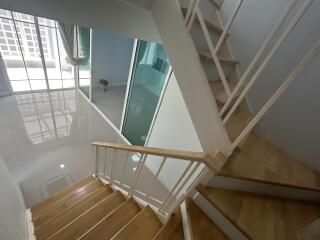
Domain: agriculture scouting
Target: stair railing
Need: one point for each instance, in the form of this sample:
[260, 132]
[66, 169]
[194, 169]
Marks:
[232, 102]
[194, 12]
[197, 165]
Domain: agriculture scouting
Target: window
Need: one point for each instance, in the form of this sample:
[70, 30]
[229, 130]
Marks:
[20, 40]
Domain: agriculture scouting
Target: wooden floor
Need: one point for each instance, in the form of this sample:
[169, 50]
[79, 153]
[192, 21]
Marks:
[262, 217]
[259, 160]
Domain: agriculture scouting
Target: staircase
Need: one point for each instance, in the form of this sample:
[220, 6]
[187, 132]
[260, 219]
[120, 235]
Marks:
[97, 211]
[257, 192]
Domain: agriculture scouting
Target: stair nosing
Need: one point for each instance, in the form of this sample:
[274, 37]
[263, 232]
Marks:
[112, 194]
[62, 212]
[125, 202]
[67, 194]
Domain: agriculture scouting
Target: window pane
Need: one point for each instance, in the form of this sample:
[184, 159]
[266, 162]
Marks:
[151, 69]
[68, 83]
[85, 82]
[20, 86]
[38, 84]
[50, 51]
[22, 17]
[30, 50]
[84, 52]
[46, 22]
[11, 53]
[55, 84]
[5, 13]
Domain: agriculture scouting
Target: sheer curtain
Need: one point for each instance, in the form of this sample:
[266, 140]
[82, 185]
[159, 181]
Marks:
[67, 36]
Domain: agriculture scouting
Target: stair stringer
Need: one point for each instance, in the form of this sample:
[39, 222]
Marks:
[191, 77]
[221, 221]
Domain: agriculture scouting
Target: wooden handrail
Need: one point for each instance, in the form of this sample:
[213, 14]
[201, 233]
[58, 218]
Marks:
[214, 163]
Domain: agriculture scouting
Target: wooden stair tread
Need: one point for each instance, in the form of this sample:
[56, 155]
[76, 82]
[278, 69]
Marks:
[219, 92]
[237, 123]
[74, 197]
[39, 207]
[114, 222]
[262, 217]
[145, 225]
[209, 25]
[261, 161]
[172, 229]
[90, 218]
[54, 224]
[206, 57]
[217, 3]
[201, 226]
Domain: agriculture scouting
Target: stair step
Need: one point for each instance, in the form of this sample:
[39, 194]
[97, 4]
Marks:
[219, 92]
[217, 3]
[262, 217]
[145, 225]
[237, 123]
[38, 208]
[259, 187]
[206, 57]
[54, 224]
[201, 226]
[209, 25]
[76, 196]
[261, 161]
[114, 222]
[172, 229]
[90, 218]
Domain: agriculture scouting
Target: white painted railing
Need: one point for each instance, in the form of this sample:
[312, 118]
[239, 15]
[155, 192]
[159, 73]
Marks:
[112, 164]
[245, 84]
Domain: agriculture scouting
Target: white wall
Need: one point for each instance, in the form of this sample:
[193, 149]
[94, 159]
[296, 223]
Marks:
[111, 56]
[12, 209]
[115, 16]
[292, 124]
[173, 129]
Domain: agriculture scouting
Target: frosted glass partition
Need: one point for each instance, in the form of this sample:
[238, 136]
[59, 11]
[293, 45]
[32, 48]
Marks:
[151, 68]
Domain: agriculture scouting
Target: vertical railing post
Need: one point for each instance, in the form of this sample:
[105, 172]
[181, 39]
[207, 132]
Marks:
[168, 197]
[227, 27]
[284, 86]
[213, 52]
[113, 164]
[96, 172]
[263, 47]
[156, 176]
[183, 184]
[136, 176]
[189, 190]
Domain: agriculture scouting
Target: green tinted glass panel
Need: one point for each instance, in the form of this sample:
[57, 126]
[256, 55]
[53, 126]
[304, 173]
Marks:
[83, 40]
[150, 72]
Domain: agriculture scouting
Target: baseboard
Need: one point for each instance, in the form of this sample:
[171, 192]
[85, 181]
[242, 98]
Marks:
[29, 225]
